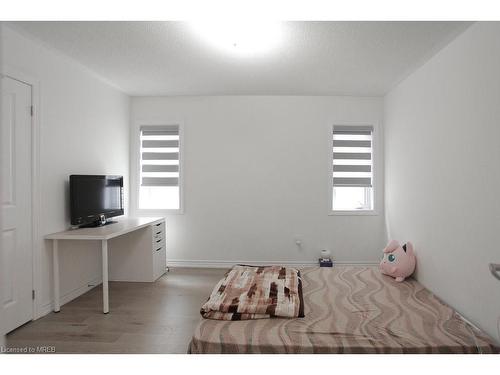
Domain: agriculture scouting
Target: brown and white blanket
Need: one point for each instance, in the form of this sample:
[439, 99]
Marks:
[248, 292]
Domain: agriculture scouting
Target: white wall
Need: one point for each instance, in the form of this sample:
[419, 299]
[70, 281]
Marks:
[256, 175]
[84, 127]
[442, 134]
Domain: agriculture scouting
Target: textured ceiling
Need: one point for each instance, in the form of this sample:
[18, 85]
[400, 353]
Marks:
[314, 58]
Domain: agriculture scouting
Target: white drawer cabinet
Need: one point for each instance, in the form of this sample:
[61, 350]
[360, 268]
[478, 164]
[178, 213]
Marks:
[159, 251]
[139, 256]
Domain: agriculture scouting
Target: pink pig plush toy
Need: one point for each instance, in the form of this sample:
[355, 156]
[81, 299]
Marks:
[398, 261]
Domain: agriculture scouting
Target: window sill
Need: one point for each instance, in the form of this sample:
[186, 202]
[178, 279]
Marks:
[353, 213]
[158, 211]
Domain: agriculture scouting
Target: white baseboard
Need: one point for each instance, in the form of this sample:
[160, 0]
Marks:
[67, 297]
[185, 263]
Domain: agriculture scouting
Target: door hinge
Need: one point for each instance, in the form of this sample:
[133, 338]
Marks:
[32, 294]
[32, 111]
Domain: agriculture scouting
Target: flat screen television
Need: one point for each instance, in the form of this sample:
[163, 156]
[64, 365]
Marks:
[95, 199]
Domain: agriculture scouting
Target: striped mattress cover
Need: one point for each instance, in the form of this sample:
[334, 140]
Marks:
[350, 309]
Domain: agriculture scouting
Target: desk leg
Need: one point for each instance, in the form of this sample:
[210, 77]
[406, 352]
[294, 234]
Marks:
[55, 266]
[105, 291]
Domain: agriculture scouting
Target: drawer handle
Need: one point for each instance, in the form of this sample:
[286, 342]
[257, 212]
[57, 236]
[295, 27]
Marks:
[158, 224]
[158, 232]
[158, 249]
[158, 240]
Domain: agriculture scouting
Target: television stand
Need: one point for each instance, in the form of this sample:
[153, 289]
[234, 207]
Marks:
[96, 224]
[137, 254]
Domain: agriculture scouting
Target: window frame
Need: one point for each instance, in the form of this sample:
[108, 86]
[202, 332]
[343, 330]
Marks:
[371, 212]
[136, 165]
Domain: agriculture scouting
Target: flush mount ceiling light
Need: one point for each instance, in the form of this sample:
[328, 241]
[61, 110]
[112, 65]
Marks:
[240, 38]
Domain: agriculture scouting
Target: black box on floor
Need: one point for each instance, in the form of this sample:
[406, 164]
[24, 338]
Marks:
[325, 262]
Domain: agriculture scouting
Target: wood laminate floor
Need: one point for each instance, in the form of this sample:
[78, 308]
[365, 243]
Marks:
[155, 317]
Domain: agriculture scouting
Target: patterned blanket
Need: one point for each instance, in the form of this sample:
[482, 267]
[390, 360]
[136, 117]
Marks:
[248, 292]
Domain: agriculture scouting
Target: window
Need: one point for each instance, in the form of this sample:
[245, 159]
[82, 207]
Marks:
[352, 168]
[160, 169]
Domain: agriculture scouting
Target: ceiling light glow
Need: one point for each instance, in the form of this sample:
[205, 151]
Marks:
[241, 38]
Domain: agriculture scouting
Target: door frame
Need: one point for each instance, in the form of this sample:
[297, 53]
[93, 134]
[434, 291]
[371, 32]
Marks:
[18, 75]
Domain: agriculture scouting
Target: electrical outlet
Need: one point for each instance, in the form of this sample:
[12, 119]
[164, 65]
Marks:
[298, 240]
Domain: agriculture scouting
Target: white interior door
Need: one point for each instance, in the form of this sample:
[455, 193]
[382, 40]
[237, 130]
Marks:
[16, 246]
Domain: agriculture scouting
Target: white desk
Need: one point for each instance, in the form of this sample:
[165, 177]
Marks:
[103, 234]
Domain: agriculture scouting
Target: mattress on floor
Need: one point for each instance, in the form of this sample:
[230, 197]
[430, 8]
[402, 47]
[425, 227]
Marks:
[350, 309]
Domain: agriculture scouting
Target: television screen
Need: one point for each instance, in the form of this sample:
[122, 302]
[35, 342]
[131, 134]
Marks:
[94, 196]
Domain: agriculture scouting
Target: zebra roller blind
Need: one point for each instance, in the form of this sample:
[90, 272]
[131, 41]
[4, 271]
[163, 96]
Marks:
[352, 156]
[160, 155]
